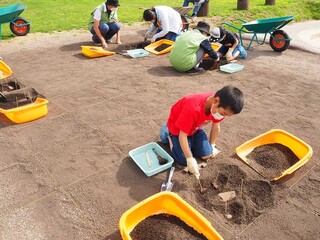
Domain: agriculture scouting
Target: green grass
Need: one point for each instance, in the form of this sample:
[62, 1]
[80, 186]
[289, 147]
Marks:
[61, 15]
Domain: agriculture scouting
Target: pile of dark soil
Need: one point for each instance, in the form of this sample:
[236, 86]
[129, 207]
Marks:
[131, 46]
[162, 47]
[164, 227]
[272, 159]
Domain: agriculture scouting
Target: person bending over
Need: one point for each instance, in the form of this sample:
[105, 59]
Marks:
[190, 48]
[184, 130]
[231, 47]
[166, 23]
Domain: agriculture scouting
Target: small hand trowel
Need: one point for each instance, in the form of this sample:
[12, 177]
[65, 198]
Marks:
[167, 185]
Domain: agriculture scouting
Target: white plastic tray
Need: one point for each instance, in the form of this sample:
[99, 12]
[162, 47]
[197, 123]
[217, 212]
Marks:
[136, 53]
[231, 67]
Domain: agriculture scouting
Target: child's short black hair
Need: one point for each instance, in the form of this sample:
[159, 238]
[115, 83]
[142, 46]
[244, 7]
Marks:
[230, 97]
[148, 14]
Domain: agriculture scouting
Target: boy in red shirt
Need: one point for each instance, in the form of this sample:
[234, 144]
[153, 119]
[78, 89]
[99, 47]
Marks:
[187, 118]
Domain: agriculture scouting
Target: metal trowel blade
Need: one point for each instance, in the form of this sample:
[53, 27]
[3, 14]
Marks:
[168, 185]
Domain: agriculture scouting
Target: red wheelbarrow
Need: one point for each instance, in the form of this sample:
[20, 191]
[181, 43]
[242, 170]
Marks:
[279, 39]
[10, 14]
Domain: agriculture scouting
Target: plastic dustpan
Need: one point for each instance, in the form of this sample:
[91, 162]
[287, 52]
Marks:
[215, 47]
[301, 149]
[93, 52]
[231, 67]
[166, 203]
[27, 112]
[160, 47]
[147, 160]
[5, 70]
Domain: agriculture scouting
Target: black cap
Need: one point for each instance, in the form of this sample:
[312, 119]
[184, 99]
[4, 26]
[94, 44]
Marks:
[203, 27]
[113, 3]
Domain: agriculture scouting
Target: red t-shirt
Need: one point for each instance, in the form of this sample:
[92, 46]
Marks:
[188, 114]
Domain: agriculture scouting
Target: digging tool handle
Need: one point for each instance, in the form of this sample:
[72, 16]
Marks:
[170, 174]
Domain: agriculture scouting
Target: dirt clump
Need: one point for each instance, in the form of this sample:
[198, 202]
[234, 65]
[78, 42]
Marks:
[272, 159]
[164, 227]
[252, 195]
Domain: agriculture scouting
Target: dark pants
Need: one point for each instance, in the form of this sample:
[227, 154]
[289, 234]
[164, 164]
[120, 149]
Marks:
[108, 30]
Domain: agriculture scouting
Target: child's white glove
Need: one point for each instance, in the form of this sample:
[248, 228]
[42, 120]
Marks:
[215, 151]
[193, 166]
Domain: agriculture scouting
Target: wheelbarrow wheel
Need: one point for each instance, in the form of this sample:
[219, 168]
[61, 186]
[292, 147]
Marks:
[279, 41]
[20, 30]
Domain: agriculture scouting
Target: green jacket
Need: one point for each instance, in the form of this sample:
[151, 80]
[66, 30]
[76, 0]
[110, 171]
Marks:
[104, 16]
[183, 55]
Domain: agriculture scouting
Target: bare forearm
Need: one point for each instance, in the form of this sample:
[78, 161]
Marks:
[183, 140]
[214, 133]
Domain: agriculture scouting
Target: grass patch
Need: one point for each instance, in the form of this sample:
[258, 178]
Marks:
[61, 15]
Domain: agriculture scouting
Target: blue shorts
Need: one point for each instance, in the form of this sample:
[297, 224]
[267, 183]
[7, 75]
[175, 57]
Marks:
[198, 143]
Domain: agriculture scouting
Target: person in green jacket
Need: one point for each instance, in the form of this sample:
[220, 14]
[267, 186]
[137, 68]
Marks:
[190, 48]
[104, 24]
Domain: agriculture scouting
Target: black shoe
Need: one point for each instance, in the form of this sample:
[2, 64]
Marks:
[196, 70]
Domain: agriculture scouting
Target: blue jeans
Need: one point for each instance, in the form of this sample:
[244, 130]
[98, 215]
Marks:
[198, 143]
[108, 30]
[170, 36]
[243, 53]
[196, 6]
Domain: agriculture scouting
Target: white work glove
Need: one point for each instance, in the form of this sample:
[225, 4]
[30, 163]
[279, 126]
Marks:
[229, 54]
[193, 167]
[215, 151]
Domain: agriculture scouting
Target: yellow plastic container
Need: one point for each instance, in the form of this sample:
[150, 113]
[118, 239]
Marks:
[166, 203]
[151, 47]
[215, 47]
[5, 70]
[301, 149]
[94, 52]
[27, 112]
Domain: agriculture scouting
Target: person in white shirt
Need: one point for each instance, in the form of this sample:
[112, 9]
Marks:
[166, 23]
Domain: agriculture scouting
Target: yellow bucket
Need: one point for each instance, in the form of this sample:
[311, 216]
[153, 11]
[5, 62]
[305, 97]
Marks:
[167, 203]
[27, 112]
[301, 149]
[93, 52]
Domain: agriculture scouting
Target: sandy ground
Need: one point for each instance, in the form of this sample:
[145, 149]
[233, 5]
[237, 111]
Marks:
[69, 176]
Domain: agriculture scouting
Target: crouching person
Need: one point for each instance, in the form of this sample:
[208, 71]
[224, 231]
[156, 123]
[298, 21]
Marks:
[190, 48]
[231, 47]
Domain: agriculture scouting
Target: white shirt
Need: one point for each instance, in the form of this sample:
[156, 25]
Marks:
[169, 20]
[97, 13]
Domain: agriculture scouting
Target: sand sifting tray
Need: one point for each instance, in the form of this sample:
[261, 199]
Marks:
[166, 203]
[160, 47]
[27, 112]
[94, 52]
[147, 158]
[271, 142]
